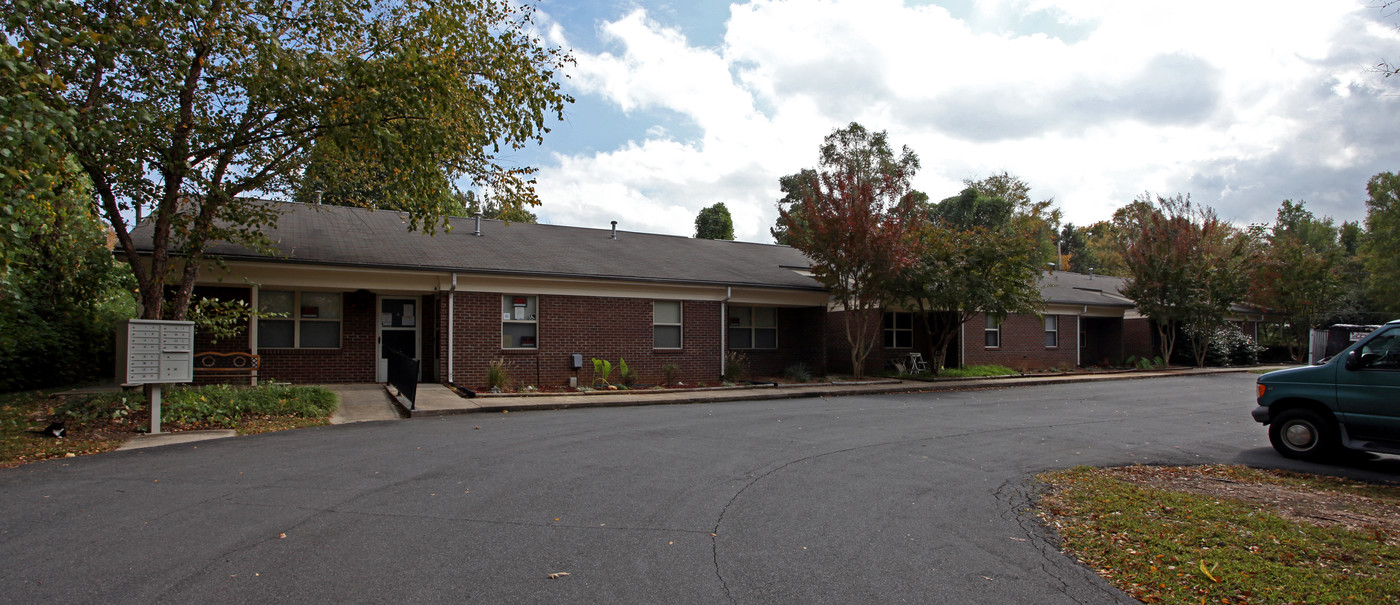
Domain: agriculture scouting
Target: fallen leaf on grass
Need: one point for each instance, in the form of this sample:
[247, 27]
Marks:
[1207, 571]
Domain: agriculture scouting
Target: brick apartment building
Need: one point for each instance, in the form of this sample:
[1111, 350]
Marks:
[350, 286]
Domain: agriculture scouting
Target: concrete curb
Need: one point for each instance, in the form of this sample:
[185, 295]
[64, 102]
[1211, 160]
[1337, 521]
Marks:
[160, 439]
[633, 399]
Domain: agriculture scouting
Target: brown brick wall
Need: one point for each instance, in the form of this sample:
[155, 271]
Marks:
[1023, 344]
[605, 328]
[354, 361]
[838, 348]
[800, 333]
[1138, 337]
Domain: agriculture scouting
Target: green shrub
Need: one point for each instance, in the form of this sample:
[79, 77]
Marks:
[217, 405]
[498, 374]
[602, 372]
[627, 376]
[1143, 363]
[736, 366]
[671, 371]
[798, 372]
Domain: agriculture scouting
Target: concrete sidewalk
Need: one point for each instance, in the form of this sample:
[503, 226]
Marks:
[438, 400]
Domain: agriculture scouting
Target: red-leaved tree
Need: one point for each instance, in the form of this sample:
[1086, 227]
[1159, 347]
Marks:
[1186, 266]
[857, 224]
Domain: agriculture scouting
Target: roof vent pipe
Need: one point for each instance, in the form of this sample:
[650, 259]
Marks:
[477, 216]
[614, 230]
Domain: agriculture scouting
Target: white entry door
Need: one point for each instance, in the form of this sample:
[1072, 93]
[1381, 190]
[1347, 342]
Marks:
[399, 320]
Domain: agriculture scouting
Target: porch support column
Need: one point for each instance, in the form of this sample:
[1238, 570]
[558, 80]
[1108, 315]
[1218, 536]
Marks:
[451, 330]
[253, 332]
[724, 328]
[1079, 335]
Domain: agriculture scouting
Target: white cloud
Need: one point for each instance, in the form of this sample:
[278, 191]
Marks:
[1247, 102]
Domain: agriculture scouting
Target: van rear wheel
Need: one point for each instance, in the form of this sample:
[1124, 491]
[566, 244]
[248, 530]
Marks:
[1303, 435]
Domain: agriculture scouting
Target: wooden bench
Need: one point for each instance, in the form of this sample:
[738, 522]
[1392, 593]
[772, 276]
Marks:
[212, 364]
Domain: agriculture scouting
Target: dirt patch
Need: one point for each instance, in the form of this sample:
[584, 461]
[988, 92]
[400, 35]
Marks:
[1321, 505]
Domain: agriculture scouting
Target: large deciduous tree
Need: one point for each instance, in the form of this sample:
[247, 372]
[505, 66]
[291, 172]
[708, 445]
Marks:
[795, 187]
[178, 110]
[979, 252]
[61, 294]
[1185, 266]
[857, 223]
[468, 203]
[714, 222]
[1381, 248]
[1299, 273]
[1041, 218]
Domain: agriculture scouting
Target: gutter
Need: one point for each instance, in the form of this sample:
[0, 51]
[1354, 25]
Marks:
[440, 270]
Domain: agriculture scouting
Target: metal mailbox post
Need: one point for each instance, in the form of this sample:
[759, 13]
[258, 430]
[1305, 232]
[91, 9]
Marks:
[156, 352]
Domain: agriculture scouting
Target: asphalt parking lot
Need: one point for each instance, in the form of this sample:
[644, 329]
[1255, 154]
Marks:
[886, 498]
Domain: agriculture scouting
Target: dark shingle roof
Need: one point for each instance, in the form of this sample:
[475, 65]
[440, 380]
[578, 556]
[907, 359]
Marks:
[342, 236]
[1067, 288]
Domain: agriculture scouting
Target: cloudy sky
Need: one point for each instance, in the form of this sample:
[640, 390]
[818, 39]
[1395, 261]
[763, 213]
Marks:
[1241, 104]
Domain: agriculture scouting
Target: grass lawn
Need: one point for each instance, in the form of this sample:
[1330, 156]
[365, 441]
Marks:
[101, 422]
[1229, 534]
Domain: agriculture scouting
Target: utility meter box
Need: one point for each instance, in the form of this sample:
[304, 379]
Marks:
[154, 351]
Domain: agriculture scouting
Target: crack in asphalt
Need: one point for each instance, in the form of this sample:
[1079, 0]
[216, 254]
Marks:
[1032, 531]
[1018, 500]
[1049, 552]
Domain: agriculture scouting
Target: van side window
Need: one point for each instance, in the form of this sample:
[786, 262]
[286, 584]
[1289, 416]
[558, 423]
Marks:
[1382, 353]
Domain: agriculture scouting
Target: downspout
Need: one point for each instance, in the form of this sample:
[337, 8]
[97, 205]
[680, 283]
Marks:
[451, 332]
[724, 328]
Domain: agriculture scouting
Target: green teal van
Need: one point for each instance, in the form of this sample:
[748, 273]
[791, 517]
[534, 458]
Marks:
[1350, 401]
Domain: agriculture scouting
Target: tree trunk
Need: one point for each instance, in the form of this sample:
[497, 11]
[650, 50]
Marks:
[941, 327]
[1167, 332]
[859, 340]
[1200, 350]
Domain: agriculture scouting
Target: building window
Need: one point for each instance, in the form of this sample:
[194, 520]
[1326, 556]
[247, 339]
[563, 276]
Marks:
[899, 330]
[519, 321]
[299, 320]
[666, 324]
[753, 328]
[992, 338]
[1052, 331]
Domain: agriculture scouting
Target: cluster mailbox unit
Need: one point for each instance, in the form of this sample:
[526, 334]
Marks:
[155, 352]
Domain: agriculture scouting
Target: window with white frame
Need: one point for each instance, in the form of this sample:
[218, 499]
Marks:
[899, 330]
[519, 321]
[666, 324]
[1052, 331]
[753, 328]
[992, 333]
[299, 320]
